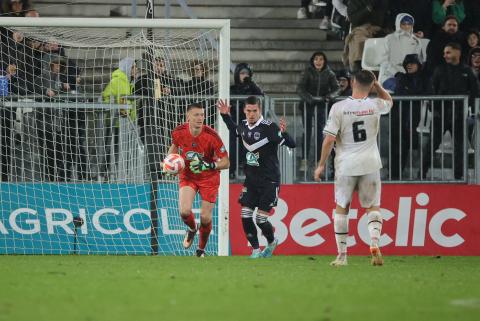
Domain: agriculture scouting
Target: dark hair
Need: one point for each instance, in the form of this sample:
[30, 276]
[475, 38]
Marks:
[253, 100]
[364, 77]
[449, 18]
[194, 105]
[453, 45]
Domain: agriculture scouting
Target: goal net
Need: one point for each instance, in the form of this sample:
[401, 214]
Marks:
[87, 110]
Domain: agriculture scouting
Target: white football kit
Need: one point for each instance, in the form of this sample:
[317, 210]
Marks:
[355, 124]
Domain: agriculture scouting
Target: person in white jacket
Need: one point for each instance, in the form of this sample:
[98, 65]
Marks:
[397, 45]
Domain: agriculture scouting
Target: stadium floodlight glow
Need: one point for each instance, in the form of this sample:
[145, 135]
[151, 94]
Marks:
[92, 157]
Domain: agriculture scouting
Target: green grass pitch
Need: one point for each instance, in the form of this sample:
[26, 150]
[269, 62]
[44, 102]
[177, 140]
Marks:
[110, 288]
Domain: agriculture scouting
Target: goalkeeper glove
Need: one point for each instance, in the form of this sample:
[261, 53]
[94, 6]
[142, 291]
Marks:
[197, 166]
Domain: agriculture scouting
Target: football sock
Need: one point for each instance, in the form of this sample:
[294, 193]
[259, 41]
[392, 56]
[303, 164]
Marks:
[249, 227]
[374, 227]
[266, 227]
[190, 221]
[205, 230]
[340, 225]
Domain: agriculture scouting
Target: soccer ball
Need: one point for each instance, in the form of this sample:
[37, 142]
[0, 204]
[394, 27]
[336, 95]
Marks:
[173, 164]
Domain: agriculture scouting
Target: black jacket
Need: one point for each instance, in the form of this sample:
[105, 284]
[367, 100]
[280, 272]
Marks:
[455, 80]
[317, 83]
[248, 87]
[366, 11]
[412, 84]
[437, 44]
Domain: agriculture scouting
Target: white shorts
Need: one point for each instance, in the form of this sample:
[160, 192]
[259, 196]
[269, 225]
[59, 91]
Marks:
[368, 186]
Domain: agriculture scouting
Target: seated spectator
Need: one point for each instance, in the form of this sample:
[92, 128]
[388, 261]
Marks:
[435, 49]
[316, 82]
[444, 8]
[406, 115]
[316, 9]
[417, 9]
[243, 85]
[361, 12]
[451, 78]
[344, 78]
[397, 45]
[354, 42]
[472, 18]
[474, 63]
[473, 41]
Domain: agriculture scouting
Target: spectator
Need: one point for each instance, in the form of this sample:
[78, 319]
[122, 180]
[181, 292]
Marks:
[474, 63]
[243, 86]
[317, 81]
[316, 9]
[361, 12]
[444, 8]
[120, 85]
[397, 45]
[473, 41]
[16, 8]
[198, 87]
[451, 78]
[340, 22]
[417, 9]
[449, 33]
[343, 78]
[354, 42]
[472, 19]
[405, 115]
[51, 122]
[165, 85]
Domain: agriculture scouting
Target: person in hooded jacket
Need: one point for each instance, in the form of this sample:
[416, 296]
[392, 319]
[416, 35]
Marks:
[121, 84]
[406, 115]
[317, 81]
[397, 45]
[243, 86]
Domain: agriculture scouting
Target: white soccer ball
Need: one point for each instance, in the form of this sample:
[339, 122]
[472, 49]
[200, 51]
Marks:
[173, 164]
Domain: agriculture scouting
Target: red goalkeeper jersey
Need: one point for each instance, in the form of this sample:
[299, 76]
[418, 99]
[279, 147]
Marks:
[206, 146]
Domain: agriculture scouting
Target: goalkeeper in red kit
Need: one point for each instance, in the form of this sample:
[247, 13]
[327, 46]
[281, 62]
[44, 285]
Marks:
[204, 155]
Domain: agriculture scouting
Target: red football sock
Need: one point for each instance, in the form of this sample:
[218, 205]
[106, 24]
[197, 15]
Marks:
[190, 221]
[204, 234]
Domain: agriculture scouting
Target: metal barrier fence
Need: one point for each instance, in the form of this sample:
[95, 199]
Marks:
[423, 139]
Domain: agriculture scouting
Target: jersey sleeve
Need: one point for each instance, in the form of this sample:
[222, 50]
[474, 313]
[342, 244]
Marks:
[333, 122]
[382, 106]
[274, 134]
[219, 147]
[175, 138]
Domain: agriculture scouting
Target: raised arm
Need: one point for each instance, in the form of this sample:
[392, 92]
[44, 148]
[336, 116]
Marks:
[224, 109]
[287, 139]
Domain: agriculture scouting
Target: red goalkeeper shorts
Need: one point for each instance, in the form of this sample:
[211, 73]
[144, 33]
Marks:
[207, 188]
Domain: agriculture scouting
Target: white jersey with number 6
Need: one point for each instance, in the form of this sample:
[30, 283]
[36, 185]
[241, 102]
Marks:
[355, 124]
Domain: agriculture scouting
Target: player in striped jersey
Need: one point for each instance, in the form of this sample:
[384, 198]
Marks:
[261, 138]
[353, 126]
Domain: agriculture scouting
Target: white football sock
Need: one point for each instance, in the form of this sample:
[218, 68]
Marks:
[374, 227]
[340, 224]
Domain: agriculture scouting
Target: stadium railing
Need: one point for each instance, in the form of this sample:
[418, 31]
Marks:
[114, 151]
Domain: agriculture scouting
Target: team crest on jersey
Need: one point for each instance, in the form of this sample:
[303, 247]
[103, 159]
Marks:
[252, 159]
[191, 155]
[256, 135]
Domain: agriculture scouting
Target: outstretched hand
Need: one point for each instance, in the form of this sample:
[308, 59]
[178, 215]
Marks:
[223, 107]
[283, 125]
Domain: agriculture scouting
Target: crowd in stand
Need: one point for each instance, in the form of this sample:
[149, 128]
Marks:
[450, 65]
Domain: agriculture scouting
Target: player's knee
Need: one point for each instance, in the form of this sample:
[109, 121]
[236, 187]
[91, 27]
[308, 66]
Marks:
[374, 216]
[247, 213]
[185, 211]
[205, 220]
[261, 218]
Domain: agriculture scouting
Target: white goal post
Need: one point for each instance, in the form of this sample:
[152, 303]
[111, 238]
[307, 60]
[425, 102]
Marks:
[62, 211]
